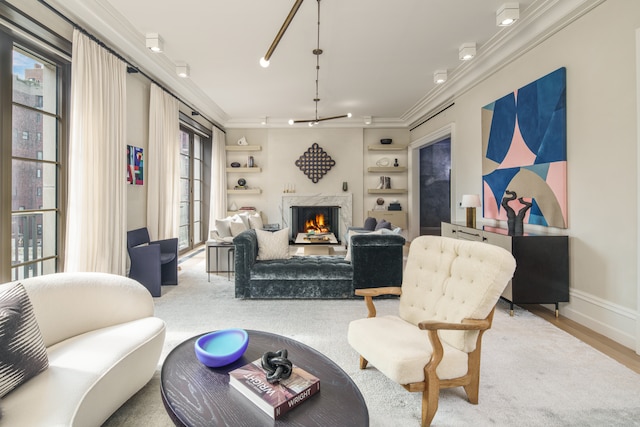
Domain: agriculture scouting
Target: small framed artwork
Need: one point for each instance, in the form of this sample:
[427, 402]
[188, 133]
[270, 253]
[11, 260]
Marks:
[135, 165]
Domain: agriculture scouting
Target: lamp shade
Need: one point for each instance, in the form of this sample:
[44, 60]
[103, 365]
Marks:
[470, 201]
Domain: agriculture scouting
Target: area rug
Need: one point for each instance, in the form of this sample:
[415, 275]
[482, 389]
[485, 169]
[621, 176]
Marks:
[532, 373]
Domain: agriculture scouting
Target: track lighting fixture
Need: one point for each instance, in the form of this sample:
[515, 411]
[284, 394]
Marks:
[264, 61]
[507, 14]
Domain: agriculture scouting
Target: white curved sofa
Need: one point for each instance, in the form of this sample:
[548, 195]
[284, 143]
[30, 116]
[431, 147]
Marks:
[103, 345]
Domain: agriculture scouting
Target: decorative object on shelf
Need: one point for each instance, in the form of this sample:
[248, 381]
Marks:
[396, 164]
[394, 206]
[526, 145]
[221, 347]
[235, 164]
[379, 206]
[387, 182]
[233, 207]
[380, 201]
[289, 188]
[243, 141]
[515, 221]
[386, 141]
[277, 365]
[471, 202]
[242, 182]
[315, 163]
[250, 162]
[345, 186]
[383, 162]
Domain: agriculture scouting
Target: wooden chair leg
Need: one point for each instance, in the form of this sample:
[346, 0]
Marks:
[430, 396]
[363, 362]
[473, 388]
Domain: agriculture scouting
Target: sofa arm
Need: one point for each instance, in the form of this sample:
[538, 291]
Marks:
[377, 260]
[246, 252]
[70, 304]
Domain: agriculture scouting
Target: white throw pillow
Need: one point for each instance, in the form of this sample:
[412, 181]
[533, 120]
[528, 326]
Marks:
[255, 222]
[244, 217]
[273, 245]
[222, 225]
[353, 232]
[237, 227]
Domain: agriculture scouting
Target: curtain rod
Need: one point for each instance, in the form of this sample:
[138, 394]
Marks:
[131, 68]
[432, 116]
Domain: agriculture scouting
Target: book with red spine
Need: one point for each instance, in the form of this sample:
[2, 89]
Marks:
[274, 399]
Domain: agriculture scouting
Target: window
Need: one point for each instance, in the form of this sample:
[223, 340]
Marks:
[192, 145]
[33, 218]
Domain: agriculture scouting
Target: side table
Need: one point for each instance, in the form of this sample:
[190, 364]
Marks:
[230, 257]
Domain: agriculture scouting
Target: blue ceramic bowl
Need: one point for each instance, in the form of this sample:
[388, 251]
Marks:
[221, 347]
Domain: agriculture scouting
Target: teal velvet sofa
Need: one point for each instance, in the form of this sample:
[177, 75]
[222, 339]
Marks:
[376, 260]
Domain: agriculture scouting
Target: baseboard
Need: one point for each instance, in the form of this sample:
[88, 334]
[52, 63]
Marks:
[611, 320]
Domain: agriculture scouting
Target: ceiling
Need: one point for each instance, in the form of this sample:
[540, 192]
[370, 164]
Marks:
[379, 56]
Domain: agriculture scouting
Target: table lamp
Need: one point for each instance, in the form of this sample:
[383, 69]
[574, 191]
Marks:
[471, 202]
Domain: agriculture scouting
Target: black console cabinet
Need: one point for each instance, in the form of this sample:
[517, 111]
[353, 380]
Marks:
[542, 263]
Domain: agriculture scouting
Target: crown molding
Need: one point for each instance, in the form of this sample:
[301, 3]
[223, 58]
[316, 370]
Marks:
[102, 20]
[538, 22]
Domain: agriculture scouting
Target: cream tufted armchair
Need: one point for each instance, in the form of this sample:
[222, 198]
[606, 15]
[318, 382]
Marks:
[449, 291]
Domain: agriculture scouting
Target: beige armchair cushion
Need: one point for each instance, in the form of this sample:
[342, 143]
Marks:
[400, 350]
[449, 280]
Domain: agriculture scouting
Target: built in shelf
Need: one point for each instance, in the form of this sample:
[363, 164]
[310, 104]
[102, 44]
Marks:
[387, 191]
[387, 147]
[245, 170]
[247, 191]
[387, 169]
[243, 147]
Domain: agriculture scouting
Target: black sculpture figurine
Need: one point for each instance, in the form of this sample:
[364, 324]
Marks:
[515, 221]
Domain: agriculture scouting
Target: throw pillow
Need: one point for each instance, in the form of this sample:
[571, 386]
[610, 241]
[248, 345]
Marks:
[370, 223]
[244, 217]
[222, 225]
[255, 222]
[351, 233]
[383, 224]
[273, 245]
[237, 227]
[23, 354]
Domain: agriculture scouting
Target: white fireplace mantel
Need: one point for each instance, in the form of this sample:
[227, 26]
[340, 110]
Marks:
[344, 200]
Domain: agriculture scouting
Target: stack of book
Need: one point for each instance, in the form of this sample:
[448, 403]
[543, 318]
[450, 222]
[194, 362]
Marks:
[274, 399]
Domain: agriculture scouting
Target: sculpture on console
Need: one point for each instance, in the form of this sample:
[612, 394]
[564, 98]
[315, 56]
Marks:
[515, 221]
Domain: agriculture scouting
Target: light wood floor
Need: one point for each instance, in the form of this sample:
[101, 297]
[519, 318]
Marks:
[616, 351]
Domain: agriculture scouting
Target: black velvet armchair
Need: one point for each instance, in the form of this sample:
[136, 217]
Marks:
[152, 263]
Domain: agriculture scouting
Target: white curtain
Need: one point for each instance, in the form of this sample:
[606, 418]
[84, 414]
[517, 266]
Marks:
[96, 209]
[218, 200]
[163, 165]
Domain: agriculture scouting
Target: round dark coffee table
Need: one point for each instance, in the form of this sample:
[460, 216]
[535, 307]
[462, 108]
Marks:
[195, 395]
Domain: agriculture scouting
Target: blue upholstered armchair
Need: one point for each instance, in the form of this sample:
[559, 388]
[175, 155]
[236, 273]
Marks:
[152, 263]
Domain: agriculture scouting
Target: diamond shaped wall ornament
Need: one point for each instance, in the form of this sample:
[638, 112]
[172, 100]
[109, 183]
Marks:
[315, 163]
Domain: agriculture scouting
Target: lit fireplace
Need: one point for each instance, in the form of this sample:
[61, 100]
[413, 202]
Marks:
[323, 219]
[317, 224]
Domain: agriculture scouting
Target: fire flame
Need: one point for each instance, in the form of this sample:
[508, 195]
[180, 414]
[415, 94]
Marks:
[316, 224]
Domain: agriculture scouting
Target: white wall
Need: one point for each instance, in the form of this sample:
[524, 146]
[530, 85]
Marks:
[598, 51]
[281, 148]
